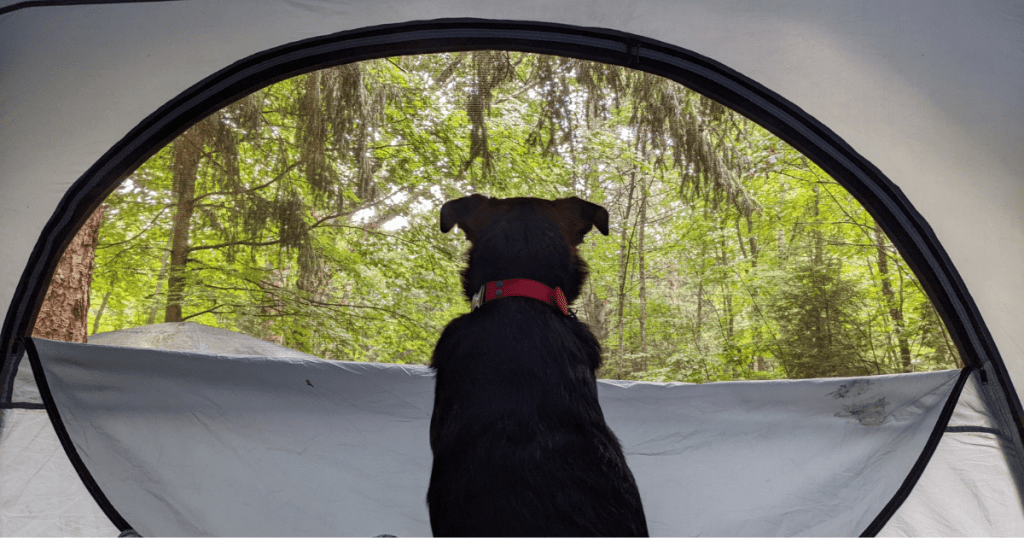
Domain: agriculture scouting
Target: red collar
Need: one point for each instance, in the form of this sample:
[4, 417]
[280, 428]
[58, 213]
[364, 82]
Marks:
[521, 287]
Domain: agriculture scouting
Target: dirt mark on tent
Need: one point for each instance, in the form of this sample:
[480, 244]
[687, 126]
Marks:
[869, 413]
[857, 387]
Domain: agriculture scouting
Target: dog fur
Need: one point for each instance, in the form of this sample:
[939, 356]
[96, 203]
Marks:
[520, 444]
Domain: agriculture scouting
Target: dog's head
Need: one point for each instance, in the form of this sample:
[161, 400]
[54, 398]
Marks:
[524, 238]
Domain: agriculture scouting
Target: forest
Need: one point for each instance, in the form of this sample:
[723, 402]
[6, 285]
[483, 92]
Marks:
[307, 214]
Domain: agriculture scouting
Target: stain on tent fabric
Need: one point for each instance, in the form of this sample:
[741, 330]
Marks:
[865, 407]
[869, 414]
[857, 387]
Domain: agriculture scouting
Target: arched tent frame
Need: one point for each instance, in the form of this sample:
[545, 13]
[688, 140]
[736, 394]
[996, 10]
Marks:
[883, 199]
[692, 51]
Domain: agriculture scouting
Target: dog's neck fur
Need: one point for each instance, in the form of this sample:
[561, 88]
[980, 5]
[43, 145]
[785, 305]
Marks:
[532, 248]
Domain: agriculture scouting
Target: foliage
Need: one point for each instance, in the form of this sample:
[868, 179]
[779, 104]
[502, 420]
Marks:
[313, 222]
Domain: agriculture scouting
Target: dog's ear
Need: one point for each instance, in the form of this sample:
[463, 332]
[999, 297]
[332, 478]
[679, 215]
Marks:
[597, 215]
[459, 211]
[592, 214]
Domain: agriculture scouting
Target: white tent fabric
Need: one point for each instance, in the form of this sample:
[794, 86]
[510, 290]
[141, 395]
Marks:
[195, 444]
[40, 492]
[967, 487]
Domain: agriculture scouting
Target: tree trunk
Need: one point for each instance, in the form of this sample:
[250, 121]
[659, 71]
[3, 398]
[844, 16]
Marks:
[188, 150]
[895, 308]
[752, 238]
[160, 278]
[698, 327]
[99, 313]
[822, 328]
[642, 273]
[594, 310]
[819, 237]
[65, 311]
[724, 260]
[625, 246]
[310, 281]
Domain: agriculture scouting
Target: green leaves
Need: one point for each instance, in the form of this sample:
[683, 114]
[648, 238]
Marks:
[316, 204]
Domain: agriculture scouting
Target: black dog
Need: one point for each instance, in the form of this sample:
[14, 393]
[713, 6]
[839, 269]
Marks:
[520, 445]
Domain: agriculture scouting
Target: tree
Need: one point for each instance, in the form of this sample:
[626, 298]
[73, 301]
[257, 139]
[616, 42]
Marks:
[817, 313]
[306, 214]
[893, 303]
[188, 150]
[65, 309]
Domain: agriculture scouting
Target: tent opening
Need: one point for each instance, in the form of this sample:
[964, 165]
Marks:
[897, 218]
[306, 214]
[693, 257]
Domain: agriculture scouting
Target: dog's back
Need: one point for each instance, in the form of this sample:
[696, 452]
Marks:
[520, 444]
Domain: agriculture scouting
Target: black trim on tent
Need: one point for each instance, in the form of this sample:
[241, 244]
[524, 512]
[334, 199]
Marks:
[65, 441]
[881, 197]
[922, 461]
[976, 429]
[8, 369]
[22, 405]
[61, 3]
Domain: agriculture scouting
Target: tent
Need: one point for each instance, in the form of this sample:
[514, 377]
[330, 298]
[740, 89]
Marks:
[916, 107]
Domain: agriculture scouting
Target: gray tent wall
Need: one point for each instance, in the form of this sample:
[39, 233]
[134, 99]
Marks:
[41, 493]
[918, 107]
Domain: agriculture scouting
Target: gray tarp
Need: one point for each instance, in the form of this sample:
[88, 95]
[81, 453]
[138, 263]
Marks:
[191, 444]
[178, 454]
